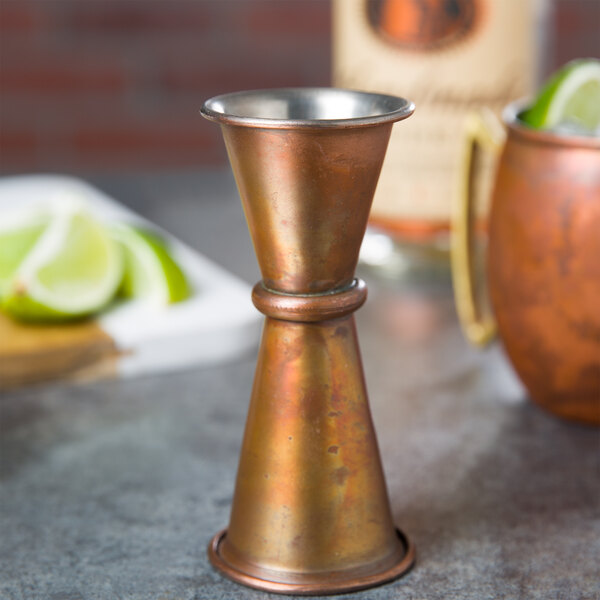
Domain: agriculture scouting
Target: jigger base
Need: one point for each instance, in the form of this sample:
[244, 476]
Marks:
[310, 584]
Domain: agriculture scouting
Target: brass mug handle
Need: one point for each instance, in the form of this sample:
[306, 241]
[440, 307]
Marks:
[482, 130]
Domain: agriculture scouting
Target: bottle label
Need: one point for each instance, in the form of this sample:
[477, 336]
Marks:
[450, 57]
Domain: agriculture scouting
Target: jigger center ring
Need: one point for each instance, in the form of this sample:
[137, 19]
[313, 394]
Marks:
[309, 308]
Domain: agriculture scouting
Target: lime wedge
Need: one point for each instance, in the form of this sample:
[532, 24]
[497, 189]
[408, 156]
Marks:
[151, 273]
[570, 100]
[71, 270]
[16, 240]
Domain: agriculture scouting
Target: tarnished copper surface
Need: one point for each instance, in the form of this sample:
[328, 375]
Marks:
[544, 267]
[310, 513]
[310, 493]
[337, 583]
[306, 195]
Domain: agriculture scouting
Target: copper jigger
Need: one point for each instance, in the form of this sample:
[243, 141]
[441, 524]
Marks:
[310, 512]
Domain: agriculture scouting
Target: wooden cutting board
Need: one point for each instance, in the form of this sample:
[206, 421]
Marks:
[34, 353]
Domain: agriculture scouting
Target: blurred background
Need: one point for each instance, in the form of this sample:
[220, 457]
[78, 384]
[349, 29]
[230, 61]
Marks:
[118, 84]
[115, 85]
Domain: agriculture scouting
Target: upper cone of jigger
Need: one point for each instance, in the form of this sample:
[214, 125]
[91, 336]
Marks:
[306, 162]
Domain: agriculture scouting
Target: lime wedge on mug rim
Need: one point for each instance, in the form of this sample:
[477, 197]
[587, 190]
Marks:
[570, 99]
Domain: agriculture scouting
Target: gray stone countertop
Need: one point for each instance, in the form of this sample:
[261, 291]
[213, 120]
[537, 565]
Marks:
[112, 490]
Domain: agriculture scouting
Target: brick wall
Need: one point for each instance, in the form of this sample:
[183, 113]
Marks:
[93, 85]
[117, 84]
[576, 30]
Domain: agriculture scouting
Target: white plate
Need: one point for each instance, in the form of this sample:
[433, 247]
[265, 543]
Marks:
[218, 323]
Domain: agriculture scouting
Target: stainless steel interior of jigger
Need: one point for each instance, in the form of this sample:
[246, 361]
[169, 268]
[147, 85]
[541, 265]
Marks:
[291, 108]
[310, 513]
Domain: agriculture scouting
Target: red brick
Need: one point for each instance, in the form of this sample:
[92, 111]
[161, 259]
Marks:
[249, 67]
[576, 27]
[119, 146]
[60, 74]
[17, 150]
[138, 17]
[150, 138]
[224, 78]
[142, 160]
[117, 84]
[577, 16]
[310, 18]
[18, 17]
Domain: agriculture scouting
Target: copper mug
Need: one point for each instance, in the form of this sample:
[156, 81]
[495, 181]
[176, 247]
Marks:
[542, 263]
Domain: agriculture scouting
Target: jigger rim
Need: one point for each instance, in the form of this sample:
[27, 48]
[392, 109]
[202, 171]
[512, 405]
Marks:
[251, 108]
